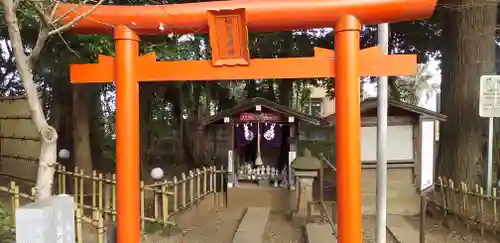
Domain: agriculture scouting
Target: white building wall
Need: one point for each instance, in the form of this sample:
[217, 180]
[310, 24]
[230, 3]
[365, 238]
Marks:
[399, 143]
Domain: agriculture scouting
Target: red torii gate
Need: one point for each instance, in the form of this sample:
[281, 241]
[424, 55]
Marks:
[228, 23]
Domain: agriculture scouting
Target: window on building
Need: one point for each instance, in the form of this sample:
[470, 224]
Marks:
[314, 107]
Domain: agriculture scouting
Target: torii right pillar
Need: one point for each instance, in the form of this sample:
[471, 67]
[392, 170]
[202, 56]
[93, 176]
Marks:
[347, 109]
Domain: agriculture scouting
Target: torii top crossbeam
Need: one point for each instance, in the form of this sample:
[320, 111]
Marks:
[262, 15]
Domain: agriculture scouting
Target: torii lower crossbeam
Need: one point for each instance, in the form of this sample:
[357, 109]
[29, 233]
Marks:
[372, 63]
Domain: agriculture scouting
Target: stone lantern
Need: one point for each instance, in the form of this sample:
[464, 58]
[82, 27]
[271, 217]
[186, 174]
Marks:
[306, 169]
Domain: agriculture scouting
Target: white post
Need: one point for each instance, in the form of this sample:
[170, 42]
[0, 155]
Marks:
[382, 107]
[489, 176]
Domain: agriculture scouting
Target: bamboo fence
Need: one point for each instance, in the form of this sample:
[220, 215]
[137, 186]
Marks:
[470, 205]
[95, 197]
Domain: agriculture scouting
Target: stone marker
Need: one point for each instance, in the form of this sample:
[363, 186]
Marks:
[51, 220]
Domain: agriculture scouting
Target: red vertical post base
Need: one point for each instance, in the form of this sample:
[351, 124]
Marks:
[127, 135]
[348, 125]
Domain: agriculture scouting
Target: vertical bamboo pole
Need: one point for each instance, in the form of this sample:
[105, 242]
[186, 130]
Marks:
[94, 189]
[100, 192]
[59, 178]
[198, 184]
[75, 185]
[107, 198]
[142, 204]
[210, 180]
[216, 194]
[63, 179]
[164, 201]
[176, 199]
[79, 228]
[113, 197]
[183, 190]
[156, 203]
[466, 205]
[204, 180]
[443, 195]
[191, 187]
[81, 178]
[101, 230]
[222, 185]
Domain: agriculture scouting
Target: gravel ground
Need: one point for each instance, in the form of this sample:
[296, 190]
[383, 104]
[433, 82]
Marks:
[369, 225]
[437, 233]
[280, 230]
[219, 227]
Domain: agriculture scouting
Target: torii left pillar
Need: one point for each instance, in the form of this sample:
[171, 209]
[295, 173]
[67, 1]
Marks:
[127, 133]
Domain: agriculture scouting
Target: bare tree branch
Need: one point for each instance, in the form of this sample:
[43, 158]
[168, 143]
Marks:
[69, 12]
[43, 35]
[41, 13]
[72, 22]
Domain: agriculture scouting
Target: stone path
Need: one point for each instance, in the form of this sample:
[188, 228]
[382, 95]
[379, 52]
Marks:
[218, 227]
[320, 233]
[251, 228]
[280, 229]
[402, 230]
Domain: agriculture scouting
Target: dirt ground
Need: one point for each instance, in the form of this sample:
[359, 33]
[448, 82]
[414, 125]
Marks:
[369, 233]
[221, 226]
[281, 230]
[436, 232]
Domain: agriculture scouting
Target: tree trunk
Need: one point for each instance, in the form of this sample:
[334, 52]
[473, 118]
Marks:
[146, 92]
[81, 136]
[96, 129]
[469, 52]
[48, 135]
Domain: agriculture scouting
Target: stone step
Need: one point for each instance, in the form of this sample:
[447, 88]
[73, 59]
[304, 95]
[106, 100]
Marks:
[402, 230]
[252, 226]
[320, 233]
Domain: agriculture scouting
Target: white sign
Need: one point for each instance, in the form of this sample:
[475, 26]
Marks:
[489, 96]
[230, 161]
[427, 155]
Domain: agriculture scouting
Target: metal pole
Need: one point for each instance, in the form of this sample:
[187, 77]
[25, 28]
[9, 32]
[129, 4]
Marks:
[423, 205]
[489, 176]
[382, 107]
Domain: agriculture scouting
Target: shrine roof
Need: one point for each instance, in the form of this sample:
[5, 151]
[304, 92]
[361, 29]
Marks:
[370, 104]
[270, 105]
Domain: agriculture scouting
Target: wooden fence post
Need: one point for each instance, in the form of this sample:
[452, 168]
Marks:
[198, 185]
[176, 199]
[142, 189]
[183, 190]
[204, 180]
[191, 186]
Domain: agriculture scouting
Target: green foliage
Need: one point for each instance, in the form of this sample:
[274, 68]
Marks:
[6, 230]
[327, 148]
[196, 100]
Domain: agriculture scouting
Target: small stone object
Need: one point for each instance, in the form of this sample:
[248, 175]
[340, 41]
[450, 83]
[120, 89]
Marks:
[50, 220]
[306, 162]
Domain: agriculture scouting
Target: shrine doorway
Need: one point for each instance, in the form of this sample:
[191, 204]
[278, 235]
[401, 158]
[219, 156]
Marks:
[233, 138]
